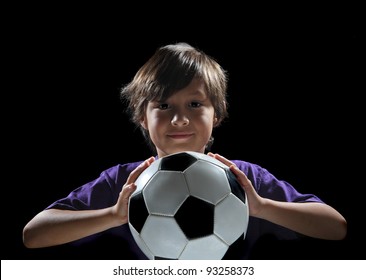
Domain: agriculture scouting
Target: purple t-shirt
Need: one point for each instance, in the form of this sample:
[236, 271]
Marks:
[104, 191]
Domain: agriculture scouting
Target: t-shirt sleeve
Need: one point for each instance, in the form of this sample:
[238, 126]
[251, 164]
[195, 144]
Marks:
[268, 186]
[100, 193]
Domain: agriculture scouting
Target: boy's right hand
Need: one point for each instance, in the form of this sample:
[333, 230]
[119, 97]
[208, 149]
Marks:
[120, 209]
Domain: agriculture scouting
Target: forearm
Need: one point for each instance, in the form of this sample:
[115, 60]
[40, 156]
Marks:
[312, 219]
[54, 227]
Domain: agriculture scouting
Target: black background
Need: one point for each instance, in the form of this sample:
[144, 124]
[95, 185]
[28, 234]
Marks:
[295, 88]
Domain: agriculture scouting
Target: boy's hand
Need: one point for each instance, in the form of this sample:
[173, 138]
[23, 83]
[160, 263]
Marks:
[121, 207]
[255, 202]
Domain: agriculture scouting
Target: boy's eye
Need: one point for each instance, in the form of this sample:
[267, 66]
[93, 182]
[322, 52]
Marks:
[195, 104]
[163, 106]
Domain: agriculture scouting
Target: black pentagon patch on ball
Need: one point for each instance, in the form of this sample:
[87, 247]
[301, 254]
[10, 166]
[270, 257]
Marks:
[196, 217]
[162, 258]
[177, 162]
[236, 188]
[138, 207]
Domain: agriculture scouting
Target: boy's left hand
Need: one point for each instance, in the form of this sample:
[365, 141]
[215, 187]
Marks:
[255, 202]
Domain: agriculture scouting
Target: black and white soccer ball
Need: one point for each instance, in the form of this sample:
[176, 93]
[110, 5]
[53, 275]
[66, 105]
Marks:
[187, 205]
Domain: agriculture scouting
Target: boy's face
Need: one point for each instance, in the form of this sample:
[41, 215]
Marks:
[183, 122]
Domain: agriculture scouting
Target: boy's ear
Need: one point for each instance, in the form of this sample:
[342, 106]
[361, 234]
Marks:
[215, 121]
[143, 123]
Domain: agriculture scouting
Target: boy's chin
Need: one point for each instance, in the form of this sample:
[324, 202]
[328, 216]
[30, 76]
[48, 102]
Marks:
[183, 149]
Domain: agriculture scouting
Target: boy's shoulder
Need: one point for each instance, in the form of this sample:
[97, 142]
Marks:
[246, 165]
[122, 168]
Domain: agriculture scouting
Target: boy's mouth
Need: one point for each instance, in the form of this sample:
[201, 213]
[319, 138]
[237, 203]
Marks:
[180, 135]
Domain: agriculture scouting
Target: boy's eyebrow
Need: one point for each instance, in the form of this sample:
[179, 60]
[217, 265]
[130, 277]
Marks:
[200, 94]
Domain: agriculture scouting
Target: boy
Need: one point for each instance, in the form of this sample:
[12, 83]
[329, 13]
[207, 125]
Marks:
[177, 98]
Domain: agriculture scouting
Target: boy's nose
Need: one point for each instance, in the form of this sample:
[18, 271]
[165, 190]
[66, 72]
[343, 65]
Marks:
[179, 119]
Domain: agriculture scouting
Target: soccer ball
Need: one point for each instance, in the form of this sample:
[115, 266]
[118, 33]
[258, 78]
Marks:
[187, 205]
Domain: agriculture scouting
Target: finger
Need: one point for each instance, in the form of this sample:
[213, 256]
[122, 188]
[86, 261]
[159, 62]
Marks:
[221, 158]
[241, 177]
[138, 170]
[127, 191]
